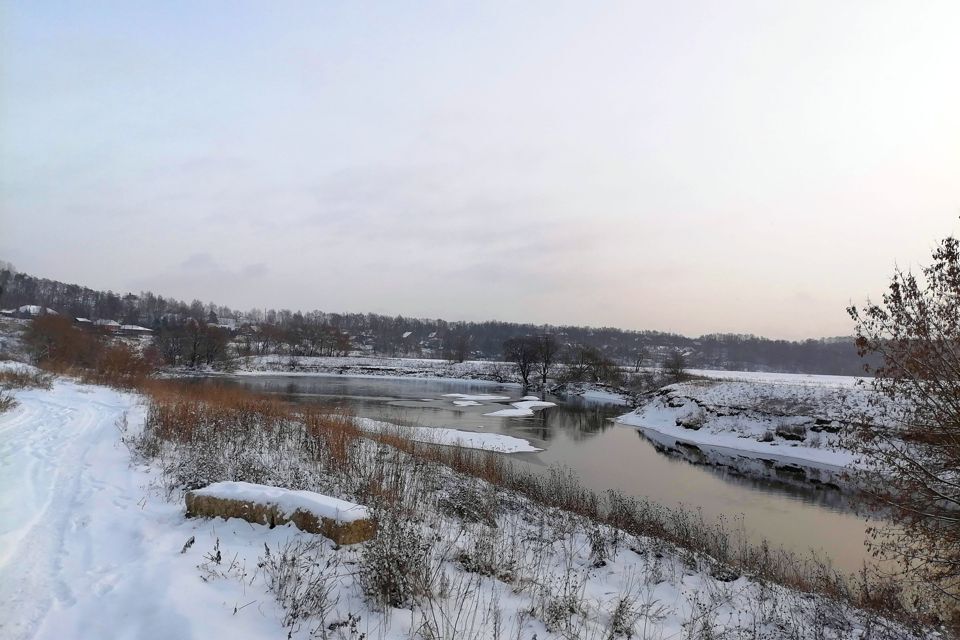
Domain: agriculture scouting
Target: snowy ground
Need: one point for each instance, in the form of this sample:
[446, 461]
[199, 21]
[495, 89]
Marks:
[88, 549]
[775, 416]
[806, 379]
[92, 547]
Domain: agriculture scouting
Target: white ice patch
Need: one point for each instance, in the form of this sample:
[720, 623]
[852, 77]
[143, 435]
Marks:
[522, 409]
[452, 437]
[476, 398]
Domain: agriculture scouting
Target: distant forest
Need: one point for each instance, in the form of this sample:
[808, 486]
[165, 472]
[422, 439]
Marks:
[376, 334]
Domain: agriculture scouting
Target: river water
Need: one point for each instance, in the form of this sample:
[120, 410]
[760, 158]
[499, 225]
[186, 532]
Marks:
[582, 436]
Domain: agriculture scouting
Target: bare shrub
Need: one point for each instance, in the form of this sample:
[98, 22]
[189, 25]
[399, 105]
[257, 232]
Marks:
[24, 378]
[57, 345]
[395, 568]
[119, 365]
[471, 504]
[7, 401]
[908, 446]
[303, 577]
[797, 432]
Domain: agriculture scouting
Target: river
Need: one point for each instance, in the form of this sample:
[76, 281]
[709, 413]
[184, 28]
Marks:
[583, 437]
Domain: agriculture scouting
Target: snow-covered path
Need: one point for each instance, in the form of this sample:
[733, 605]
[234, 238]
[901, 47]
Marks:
[87, 549]
[59, 452]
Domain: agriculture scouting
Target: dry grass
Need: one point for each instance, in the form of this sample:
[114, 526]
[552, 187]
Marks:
[23, 378]
[7, 401]
[334, 434]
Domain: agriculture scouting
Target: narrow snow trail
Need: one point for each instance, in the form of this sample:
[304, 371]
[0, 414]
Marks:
[87, 548]
[48, 447]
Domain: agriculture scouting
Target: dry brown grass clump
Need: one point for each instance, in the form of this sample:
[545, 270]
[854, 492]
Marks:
[332, 433]
[23, 378]
[185, 413]
[7, 401]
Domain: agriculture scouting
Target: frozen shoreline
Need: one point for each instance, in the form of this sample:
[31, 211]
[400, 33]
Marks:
[790, 420]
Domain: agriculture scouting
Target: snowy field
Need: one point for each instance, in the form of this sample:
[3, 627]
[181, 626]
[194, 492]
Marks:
[95, 544]
[805, 379]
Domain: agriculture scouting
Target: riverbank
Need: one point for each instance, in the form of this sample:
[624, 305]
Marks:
[97, 544]
[358, 366]
[791, 420]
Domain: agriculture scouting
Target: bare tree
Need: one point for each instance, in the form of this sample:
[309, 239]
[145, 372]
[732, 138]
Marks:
[548, 350]
[457, 346]
[910, 442]
[522, 352]
[675, 365]
[588, 364]
[638, 358]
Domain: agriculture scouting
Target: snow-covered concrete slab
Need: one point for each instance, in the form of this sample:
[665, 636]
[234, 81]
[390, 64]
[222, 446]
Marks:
[341, 521]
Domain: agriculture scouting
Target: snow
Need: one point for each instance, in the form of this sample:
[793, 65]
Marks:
[604, 396]
[287, 500]
[452, 437]
[595, 392]
[13, 365]
[134, 327]
[522, 409]
[90, 548]
[806, 379]
[735, 415]
[732, 442]
[467, 403]
[31, 310]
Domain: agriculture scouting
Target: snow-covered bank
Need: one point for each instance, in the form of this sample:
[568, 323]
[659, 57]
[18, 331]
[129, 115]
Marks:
[595, 392]
[451, 437]
[777, 418]
[96, 545]
[804, 379]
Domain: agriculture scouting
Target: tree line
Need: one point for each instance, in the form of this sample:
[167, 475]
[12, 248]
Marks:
[323, 333]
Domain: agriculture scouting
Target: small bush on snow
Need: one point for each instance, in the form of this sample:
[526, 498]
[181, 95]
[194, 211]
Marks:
[395, 567]
[7, 401]
[304, 579]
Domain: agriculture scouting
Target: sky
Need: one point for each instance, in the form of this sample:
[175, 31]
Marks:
[696, 167]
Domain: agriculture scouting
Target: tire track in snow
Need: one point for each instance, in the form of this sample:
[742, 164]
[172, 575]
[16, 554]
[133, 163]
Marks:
[43, 449]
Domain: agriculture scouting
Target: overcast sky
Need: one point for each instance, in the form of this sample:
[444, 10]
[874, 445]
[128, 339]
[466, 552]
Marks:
[684, 166]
